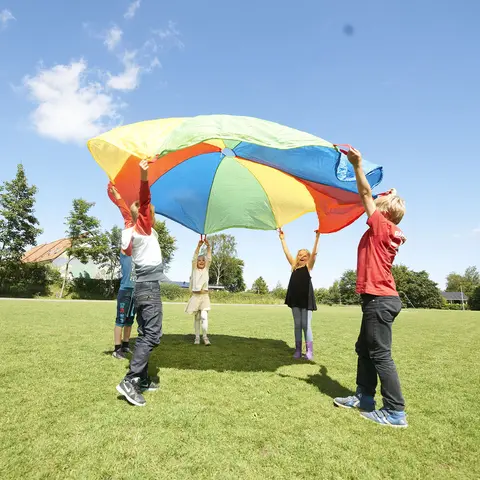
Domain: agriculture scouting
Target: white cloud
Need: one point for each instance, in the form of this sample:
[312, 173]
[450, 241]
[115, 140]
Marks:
[70, 107]
[476, 231]
[130, 77]
[170, 35]
[113, 37]
[5, 17]
[132, 9]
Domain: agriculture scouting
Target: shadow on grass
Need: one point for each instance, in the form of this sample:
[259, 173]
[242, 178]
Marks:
[324, 383]
[226, 353]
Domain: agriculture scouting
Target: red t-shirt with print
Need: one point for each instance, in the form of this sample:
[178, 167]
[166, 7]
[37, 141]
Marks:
[376, 252]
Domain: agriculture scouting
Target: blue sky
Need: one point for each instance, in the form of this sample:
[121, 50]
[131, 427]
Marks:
[401, 85]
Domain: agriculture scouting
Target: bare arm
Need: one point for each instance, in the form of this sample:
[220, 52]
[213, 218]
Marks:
[197, 251]
[290, 259]
[209, 251]
[313, 257]
[364, 190]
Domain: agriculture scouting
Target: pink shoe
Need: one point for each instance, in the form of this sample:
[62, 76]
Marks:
[309, 354]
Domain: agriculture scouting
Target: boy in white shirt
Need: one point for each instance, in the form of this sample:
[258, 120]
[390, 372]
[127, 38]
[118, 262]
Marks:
[199, 303]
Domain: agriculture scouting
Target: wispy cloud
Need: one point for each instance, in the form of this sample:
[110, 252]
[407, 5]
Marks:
[70, 106]
[476, 231]
[132, 9]
[129, 78]
[170, 36]
[113, 37]
[5, 17]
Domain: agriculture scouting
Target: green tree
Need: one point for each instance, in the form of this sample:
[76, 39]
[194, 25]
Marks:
[347, 287]
[232, 278]
[279, 291]
[109, 259]
[224, 249]
[260, 286]
[321, 296]
[334, 295]
[467, 282]
[416, 288]
[474, 299]
[167, 242]
[18, 224]
[87, 241]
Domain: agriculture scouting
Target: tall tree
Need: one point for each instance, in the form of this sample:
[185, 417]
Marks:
[334, 295]
[167, 242]
[474, 299]
[224, 249]
[232, 278]
[18, 224]
[347, 287]
[416, 288]
[109, 259]
[466, 282]
[279, 291]
[87, 242]
[260, 286]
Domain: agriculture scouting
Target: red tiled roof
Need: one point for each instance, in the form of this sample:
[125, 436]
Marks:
[46, 252]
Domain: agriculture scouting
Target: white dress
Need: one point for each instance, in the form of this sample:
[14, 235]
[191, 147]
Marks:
[200, 299]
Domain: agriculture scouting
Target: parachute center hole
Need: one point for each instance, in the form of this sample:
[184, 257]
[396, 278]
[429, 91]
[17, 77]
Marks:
[228, 152]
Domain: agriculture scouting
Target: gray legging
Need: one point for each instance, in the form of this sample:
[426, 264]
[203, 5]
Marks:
[303, 321]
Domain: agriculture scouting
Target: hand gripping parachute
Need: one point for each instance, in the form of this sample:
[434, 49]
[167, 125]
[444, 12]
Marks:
[215, 172]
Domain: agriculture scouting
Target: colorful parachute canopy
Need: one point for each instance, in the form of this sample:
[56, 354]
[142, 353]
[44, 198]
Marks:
[218, 171]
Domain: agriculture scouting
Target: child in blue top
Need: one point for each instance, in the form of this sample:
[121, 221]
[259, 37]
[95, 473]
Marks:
[125, 302]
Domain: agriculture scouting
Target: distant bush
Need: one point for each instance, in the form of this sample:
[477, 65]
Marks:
[86, 288]
[173, 292]
[453, 306]
[27, 280]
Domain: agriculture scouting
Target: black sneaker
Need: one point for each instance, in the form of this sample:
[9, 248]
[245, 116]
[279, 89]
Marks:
[151, 384]
[131, 391]
[126, 350]
[119, 355]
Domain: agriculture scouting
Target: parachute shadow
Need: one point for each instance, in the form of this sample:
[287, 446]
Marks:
[226, 353]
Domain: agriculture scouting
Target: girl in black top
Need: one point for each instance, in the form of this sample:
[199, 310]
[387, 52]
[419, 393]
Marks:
[300, 295]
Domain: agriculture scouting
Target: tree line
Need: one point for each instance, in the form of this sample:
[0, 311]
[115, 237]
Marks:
[20, 229]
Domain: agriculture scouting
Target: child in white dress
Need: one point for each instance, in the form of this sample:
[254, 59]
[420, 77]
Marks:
[199, 303]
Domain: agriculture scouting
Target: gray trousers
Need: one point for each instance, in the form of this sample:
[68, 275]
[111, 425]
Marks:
[148, 305]
[302, 319]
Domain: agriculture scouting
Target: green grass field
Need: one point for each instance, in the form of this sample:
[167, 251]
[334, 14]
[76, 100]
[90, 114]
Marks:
[240, 409]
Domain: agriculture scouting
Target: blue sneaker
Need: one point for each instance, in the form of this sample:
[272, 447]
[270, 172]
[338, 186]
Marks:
[391, 418]
[360, 401]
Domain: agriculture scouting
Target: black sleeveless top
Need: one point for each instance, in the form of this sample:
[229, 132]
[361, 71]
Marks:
[300, 290]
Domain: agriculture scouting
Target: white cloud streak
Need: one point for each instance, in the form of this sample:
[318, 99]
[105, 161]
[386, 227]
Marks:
[113, 37]
[5, 17]
[132, 9]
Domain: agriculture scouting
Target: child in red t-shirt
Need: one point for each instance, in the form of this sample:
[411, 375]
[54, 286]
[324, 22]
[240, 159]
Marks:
[380, 304]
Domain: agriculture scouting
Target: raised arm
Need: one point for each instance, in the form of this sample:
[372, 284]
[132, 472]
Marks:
[209, 251]
[120, 203]
[364, 190]
[290, 259]
[313, 256]
[144, 220]
[196, 253]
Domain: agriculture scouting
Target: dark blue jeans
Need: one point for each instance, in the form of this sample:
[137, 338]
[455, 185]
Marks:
[374, 349]
[148, 306]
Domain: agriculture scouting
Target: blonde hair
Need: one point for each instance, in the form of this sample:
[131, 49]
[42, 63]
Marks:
[297, 261]
[391, 206]
[134, 207]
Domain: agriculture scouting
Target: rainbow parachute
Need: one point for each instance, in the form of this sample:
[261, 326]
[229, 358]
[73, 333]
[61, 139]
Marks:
[217, 172]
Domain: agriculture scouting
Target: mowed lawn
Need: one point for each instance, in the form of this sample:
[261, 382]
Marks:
[240, 409]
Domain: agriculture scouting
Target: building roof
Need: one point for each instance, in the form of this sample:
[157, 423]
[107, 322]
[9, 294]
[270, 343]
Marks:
[454, 296]
[47, 252]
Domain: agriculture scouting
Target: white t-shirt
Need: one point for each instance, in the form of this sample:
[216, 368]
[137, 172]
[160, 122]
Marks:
[200, 278]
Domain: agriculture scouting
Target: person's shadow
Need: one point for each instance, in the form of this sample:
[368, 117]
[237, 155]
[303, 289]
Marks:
[324, 383]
